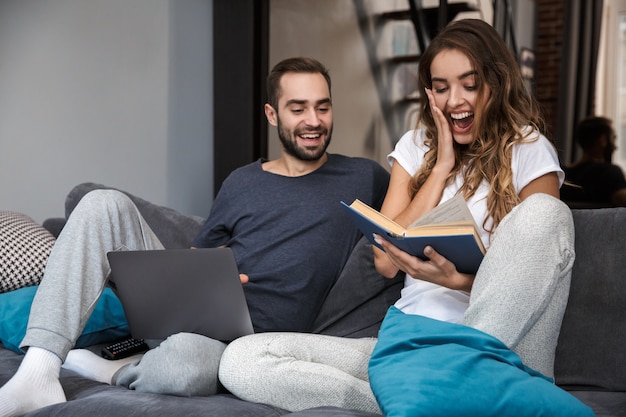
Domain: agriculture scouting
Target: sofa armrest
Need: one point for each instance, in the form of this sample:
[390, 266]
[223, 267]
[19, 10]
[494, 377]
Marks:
[590, 352]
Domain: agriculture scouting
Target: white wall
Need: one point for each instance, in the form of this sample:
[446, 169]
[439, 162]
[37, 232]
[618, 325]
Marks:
[117, 92]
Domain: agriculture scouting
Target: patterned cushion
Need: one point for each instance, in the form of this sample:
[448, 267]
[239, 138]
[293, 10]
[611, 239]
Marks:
[24, 249]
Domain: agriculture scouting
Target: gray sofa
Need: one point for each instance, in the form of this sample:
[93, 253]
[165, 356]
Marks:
[590, 359]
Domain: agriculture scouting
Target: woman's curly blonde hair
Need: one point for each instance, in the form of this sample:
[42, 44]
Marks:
[509, 115]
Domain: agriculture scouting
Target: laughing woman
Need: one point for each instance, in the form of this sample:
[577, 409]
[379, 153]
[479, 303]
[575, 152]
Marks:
[480, 135]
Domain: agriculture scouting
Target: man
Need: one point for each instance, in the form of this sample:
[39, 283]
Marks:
[281, 218]
[594, 178]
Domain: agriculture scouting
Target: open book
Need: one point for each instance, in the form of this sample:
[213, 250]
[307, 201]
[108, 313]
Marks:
[449, 228]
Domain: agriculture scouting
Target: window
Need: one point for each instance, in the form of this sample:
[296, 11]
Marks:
[611, 81]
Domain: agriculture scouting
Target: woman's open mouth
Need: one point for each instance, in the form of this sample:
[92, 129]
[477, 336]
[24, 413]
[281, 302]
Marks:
[462, 122]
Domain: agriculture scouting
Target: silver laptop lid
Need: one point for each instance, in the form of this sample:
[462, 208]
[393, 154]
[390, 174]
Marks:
[164, 292]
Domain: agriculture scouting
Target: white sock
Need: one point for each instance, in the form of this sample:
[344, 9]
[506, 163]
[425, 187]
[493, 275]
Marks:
[35, 384]
[89, 365]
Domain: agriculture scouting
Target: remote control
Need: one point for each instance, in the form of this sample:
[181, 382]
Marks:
[124, 348]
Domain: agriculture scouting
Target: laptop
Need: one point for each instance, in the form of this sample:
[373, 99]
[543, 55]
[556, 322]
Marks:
[169, 291]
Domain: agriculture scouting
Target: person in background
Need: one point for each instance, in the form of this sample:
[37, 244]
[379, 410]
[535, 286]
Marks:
[594, 178]
[282, 218]
[480, 135]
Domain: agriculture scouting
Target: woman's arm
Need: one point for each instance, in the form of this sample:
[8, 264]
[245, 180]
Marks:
[547, 184]
[399, 205]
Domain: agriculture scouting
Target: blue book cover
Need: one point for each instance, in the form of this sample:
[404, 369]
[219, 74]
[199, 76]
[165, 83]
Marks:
[457, 241]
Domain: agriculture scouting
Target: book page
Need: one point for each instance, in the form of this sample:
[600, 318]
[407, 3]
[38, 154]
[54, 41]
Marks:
[453, 210]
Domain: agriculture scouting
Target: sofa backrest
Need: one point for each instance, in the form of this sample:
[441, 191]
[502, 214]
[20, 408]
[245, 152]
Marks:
[591, 353]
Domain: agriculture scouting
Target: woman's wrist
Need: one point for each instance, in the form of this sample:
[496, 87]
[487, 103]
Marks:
[441, 170]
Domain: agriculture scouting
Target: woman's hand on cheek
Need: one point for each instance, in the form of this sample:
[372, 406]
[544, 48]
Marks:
[437, 269]
[445, 149]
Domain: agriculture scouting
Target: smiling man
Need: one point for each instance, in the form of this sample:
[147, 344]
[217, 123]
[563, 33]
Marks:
[282, 219]
[304, 121]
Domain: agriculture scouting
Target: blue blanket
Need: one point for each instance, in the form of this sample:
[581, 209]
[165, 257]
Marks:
[426, 367]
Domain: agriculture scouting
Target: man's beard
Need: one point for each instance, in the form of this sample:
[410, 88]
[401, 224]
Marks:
[290, 144]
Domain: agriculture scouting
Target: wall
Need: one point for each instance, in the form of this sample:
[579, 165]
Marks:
[550, 27]
[120, 92]
[112, 91]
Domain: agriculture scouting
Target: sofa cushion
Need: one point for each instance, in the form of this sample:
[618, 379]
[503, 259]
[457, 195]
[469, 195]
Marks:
[590, 352]
[90, 398]
[24, 249]
[106, 323]
[426, 367]
[359, 299]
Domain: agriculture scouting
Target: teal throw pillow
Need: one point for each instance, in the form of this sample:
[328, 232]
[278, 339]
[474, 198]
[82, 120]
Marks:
[107, 322]
[426, 367]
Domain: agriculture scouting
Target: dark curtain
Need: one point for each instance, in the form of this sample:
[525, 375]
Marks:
[581, 40]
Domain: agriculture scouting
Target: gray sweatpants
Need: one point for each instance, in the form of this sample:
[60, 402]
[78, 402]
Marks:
[76, 274]
[519, 296]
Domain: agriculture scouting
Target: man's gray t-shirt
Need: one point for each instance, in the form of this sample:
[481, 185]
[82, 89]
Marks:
[291, 235]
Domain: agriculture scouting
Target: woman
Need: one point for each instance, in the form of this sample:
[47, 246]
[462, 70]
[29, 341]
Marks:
[479, 135]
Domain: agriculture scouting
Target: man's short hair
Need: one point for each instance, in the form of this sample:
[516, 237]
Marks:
[592, 128]
[297, 65]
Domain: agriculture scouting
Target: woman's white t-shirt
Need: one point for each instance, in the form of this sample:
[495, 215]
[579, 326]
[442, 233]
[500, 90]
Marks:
[530, 160]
